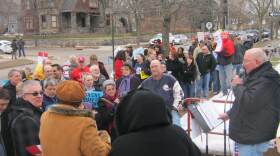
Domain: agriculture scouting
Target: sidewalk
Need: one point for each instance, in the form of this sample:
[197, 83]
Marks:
[7, 62]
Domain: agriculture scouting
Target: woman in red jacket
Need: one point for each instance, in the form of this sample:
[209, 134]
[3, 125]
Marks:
[119, 61]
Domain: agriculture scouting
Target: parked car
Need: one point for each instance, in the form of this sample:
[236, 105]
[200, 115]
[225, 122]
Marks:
[253, 34]
[159, 36]
[5, 47]
[265, 34]
[180, 39]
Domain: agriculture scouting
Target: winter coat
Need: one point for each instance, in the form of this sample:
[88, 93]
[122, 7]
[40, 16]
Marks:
[14, 45]
[146, 69]
[67, 131]
[98, 84]
[254, 117]
[223, 57]
[206, 63]
[12, 92]
[48, 101]
[238, 54]
[189, 73]
[175, 67]
[167, 87]
[134, 83]
[192, 48]
[2, 145]
[23, 128]
[105, 115]
[146, 129]
[117, 68]
[20, 44]
[77, 73]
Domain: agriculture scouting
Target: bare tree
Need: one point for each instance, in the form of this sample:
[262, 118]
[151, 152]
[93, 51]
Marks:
[168, 8]
[260, 9]
[136, 8]
[238, 14]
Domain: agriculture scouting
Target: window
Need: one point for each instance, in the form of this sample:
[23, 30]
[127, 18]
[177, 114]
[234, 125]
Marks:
[28, 23]
[93, 4]
[12, 19]
[54, 21]
[108, 20]
[44, 21]
[28, 4]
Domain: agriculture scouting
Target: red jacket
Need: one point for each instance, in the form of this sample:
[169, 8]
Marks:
[228, 47]
[77, 73]
[117, 68]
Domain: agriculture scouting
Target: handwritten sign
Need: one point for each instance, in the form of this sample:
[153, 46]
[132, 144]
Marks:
[92, 97]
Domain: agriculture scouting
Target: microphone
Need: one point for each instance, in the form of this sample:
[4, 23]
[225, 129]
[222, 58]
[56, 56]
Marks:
[241, 72]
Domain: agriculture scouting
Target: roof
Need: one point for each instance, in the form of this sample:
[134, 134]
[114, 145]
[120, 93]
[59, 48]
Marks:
[68, 5]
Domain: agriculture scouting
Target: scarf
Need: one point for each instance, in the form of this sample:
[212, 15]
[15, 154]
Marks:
[124, 87]
[110, 98]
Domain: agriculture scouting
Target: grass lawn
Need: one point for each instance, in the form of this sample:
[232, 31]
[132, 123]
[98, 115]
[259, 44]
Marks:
[275, 60]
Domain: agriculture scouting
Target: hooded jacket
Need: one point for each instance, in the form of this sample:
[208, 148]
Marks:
[206, 63]
[67, 131]
[145, 128]
[254, 117]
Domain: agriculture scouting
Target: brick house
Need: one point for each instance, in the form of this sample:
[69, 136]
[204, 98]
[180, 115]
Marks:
[60, 16]
[29, 16]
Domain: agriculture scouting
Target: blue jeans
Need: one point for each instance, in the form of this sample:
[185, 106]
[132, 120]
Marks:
[253, 150]
[176, 120]
[21, 50]
[236, 68]
[225, 75]
[188, 90]
[202, 89]
[214, 83]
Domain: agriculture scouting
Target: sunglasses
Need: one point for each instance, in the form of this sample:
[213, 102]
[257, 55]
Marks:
[36, 93]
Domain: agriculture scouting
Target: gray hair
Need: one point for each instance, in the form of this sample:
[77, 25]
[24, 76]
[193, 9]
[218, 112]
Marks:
[12, 72]
[258, 54]
[93, 66]
[50, 82]
[85, 75]
[27, 84]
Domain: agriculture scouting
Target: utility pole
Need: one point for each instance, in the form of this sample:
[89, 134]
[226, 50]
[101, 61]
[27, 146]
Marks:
[113, 36]
[271, 21]
[225, 13]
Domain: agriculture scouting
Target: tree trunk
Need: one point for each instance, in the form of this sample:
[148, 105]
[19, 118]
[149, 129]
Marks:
[175, 21]
[165, 35]
[138, 27]
[260, 27]
[277, 25]
[166, 27]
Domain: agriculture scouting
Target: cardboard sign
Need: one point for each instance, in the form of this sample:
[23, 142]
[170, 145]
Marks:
[219, 41]
[93, 97]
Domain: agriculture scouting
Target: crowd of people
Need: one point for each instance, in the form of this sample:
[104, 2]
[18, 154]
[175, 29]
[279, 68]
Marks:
[82, 111]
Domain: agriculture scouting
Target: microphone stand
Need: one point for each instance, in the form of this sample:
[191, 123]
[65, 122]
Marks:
[225, 126]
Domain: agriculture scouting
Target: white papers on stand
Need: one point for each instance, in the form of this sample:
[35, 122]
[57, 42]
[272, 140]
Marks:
[210, 114]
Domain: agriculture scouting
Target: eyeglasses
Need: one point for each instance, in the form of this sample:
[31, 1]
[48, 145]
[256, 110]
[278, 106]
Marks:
[36, 93]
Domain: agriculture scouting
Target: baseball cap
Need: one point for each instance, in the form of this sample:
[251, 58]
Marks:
[81, 59]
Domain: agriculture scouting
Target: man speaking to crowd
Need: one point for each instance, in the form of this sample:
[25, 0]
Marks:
[254, 117]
